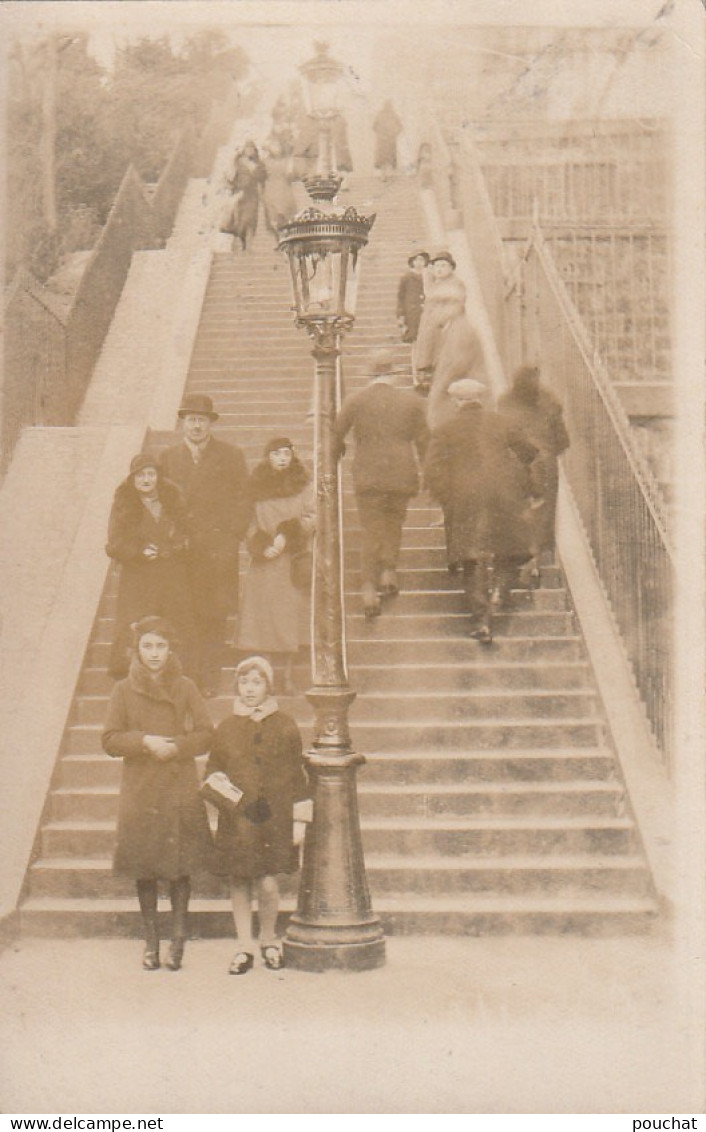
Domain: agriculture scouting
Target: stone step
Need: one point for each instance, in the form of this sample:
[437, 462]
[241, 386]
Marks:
[442, 706]
[364, 649]
[590, 914]
[570, 798]
[443, 834]
[384, 735]
[410, 766]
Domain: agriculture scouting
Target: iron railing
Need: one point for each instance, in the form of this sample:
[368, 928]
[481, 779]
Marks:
[615, 493]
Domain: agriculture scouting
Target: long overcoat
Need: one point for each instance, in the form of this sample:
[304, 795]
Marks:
[542, 421]
[162, 823]
[217, 515]
[278, 196]
[264, 759]
[410, 303]
[434, 316]
[148, 586]
[245, 185]
[388, 425]
[274, 614]
[386, 127]
[476, 466]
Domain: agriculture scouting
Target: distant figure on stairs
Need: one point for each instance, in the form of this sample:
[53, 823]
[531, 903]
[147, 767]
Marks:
[531, 407]
[277, 196]
[444, 293]
[410, 296]
[148, 538]
[213, 478]
[158, 725]
[387, 126]
[274, 616]
[390, 431]
[477, 467]
[245, 183]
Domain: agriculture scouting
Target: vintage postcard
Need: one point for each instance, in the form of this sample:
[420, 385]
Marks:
[352, 559]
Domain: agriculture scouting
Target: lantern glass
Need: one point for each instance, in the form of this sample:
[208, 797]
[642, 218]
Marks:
[325, 282]
[323, 81]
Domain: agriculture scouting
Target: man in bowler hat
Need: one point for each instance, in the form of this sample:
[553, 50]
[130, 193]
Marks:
[213, 478]
[388, 425]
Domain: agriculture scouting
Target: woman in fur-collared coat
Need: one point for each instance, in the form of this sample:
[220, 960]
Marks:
[274, 608]
[157, 723]
[147, 538]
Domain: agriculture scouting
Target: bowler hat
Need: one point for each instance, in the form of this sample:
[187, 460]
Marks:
[466, 389]
[415, 255]
[198, 403]
[443, 254]
[143, 460]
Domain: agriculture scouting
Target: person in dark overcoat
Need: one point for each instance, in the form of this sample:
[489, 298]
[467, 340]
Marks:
[477, 467]
[248, 176]
[147, 537]
[390, 431]
[213, 478]
[386, 127]
[410, 296]
[157, 724]
[259, 749]
[539, 414]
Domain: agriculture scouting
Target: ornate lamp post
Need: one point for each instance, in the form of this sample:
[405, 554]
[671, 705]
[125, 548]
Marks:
[334, 925]
[323, 75]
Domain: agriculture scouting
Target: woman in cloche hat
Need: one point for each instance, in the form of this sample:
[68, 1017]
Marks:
[147, 538]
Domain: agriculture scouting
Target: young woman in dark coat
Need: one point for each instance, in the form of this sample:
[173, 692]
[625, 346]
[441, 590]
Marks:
[410, 296]
[158, 724]
[147, 537]
[259, 748]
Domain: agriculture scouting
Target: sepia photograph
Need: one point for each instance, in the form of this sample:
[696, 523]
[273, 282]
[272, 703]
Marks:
[352, 587]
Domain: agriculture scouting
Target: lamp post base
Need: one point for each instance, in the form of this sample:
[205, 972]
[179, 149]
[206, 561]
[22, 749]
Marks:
[320, 956]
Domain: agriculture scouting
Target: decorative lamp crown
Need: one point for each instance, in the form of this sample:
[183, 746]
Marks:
[322, 245]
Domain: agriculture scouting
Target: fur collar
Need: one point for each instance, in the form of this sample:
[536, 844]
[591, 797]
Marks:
[168, 493]
[266, 483]
[160, 687]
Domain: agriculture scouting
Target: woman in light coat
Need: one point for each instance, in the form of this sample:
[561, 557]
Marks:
[275, 601]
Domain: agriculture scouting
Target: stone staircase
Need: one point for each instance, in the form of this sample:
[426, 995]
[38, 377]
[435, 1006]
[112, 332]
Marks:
[491, 800]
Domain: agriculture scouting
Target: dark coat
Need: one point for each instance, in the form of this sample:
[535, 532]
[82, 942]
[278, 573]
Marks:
[162, 823]
[542, 422]
[217, 515]
[148, 585]
[263, 758]
[245, 185]
[386, 128]
[410, 301]
[388, 424]
[476, 466]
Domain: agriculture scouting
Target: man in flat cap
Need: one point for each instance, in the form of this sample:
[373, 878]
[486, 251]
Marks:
[389, 426]
[477, 467]
[213, 478]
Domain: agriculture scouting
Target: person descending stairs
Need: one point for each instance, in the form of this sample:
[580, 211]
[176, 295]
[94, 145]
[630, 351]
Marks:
[491, 800]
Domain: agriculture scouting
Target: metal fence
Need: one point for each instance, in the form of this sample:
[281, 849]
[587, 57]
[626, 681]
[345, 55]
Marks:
[616, 495]
[576, 173]
[618, 280]
[617, 498]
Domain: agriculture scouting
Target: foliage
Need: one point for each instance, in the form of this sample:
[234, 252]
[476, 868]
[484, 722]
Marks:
[96, 124]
